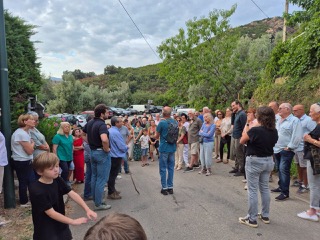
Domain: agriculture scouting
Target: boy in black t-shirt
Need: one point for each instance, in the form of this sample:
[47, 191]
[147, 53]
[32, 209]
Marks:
[46, 194]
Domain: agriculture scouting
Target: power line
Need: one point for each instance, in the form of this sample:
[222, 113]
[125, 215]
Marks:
[138, 29]
[260, 8]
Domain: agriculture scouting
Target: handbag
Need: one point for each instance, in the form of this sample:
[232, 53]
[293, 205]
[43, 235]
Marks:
[315, 161]
[201, 139]
[185, 139]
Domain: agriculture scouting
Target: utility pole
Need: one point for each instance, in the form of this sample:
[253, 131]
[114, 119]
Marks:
[8, 184]
[286, 11]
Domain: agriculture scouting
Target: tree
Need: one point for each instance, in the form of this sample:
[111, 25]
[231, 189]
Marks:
[24, 70]
[110, 69]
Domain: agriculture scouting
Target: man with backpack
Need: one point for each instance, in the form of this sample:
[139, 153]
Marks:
[167, 130]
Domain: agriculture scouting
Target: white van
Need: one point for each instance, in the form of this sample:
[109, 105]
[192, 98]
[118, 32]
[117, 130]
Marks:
[140, 108]
[185, 111]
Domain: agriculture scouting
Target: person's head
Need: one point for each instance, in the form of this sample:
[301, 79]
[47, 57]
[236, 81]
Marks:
[205, 110]
[197, 114]
[152, 123]
[126, 117]
[116, 122]
[298, 110]
[315, 112]
[101, 111]
[145, 131]
[179, 120]
[174, 116]
[184, 117]
[228, 112]
[266, 117]
[144, 114]
[138, 124]
[236, 106]
[208, 118]
[275, 106]
[26, 120]
[220, 114]
[116, 226]
[158, 116]
[191, 113]
[35, 117]
[285, 110]
[46, 164]
[251, 114]
[166, 112]
[135, 116]
[144, 120]
[76, 132]
[108, 125]
[64, 128]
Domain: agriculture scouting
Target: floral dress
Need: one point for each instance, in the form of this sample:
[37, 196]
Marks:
[137, 146]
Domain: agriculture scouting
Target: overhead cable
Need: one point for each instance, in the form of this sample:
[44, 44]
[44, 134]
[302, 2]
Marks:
[138, 29]
[259, 8]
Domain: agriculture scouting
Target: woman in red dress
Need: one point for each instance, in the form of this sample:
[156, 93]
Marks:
[78, 156]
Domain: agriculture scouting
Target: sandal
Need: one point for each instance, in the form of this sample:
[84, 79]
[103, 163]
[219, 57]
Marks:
[147, 164]
[142, 165]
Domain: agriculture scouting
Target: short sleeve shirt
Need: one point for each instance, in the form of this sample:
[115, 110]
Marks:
[44, 197]
[194, 128]
[94, 128]
[18, 153]
[162, 129]
[65, 147]
[38, 139]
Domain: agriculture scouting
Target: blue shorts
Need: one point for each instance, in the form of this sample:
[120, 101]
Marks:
[144, 151]
[71, 167]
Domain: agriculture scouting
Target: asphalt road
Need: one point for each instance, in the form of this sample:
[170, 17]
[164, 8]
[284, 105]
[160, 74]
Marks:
[202, 207]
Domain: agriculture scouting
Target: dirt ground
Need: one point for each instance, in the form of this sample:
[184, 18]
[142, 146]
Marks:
[20, 226]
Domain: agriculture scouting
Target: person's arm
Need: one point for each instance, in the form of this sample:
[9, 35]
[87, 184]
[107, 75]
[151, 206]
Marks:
[75, 197]
[28, 147]
[210, 132]
[105, 142]
[54, 148]
[63, 219]
[296, 135]
[245, 137]
[44, 147]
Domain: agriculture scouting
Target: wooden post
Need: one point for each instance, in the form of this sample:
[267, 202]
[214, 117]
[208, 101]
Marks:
[284, 33]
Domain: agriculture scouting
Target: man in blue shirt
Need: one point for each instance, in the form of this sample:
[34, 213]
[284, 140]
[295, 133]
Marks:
[240, 121]
[118, 150]
[307, 125]
[166, 153]
[290, 132]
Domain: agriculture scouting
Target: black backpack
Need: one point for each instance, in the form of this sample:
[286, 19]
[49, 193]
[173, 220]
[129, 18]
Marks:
[173, 132]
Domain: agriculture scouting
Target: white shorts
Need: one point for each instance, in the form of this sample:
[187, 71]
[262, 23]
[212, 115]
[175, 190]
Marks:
[299, 159]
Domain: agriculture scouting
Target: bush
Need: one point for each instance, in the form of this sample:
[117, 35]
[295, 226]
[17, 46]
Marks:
[49, 127]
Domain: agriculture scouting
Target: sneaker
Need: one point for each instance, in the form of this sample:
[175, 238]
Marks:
[238, 174]
[234, 171]
[114, 196]
[244, 180]
[246, 187]
[196, 166]
[119, 177]
[248, 222]
[179, 168]
[270, 179]
[188, 169]
[296, 183]
[304, 215]
[282, 197]
[208, 172]
[102, 207]
[275, 190]
[302, 190]
[318, 213]
[266, 220]
[26, 205]
[164, 191]
[170, 191]
[203, 171]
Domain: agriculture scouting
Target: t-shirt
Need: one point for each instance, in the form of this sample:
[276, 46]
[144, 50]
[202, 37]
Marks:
[162, 129]
[144, 141]
[94, 128]
[18, 153]
[124, 132]
[261, 141]
[65, 146]
[3, 152]
[44, 197]
[193, 131]
[39, 139]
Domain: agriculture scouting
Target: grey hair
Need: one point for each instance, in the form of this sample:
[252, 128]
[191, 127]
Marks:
[32, 113]
[114, 120]
[288, 105]
[316, 107]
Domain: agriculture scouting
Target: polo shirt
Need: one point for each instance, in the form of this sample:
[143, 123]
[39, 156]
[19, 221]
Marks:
[193, 131]
[94, 128]
[65, 147]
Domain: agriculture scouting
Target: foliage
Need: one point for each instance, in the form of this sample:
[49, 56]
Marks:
[46, 92]
[49, 127]
[78, 74]
[24, 70]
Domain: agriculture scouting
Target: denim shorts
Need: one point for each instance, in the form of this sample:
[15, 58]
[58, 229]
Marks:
[144, 151]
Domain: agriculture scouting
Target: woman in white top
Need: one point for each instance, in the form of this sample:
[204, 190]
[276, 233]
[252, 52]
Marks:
[226, 131]
[22, 147]
[3, 158]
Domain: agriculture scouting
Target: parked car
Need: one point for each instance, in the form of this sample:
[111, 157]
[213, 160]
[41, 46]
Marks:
[115, 111]
[124, 112]
[155, 109]
[86, 114]
[140, 108]
[82, 121]
[132, 111]
[70, 119]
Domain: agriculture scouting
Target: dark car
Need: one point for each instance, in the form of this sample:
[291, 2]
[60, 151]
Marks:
[133, 111]
[70, 119]
[155, 109]
[86, 114]
[115, 111]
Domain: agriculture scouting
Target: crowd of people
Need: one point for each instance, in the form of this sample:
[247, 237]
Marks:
[260, 141]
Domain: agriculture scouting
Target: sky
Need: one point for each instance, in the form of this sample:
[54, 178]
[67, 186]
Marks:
[89, 35]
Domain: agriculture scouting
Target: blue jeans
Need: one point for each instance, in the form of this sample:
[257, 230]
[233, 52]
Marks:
[166, 163]
[65, 167]
[206, 149]
[258, 170]
[283, 160]
[87, 181]
[100, 165]
[25, 176]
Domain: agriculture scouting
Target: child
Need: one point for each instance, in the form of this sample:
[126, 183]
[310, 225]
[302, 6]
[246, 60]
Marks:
[144, 139]
[116, 226]
[46, 194]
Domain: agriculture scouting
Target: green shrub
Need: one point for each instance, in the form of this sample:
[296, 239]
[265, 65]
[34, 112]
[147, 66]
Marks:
[49, 127]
